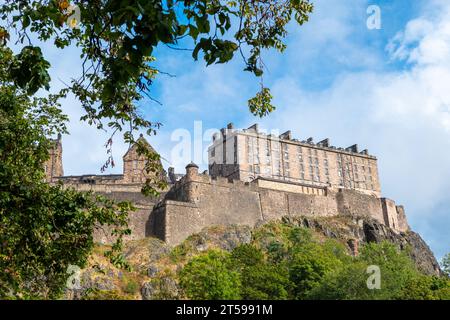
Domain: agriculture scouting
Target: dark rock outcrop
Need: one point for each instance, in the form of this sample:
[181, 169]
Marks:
[366, 230]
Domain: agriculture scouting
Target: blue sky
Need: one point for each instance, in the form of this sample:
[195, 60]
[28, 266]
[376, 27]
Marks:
[386, 90]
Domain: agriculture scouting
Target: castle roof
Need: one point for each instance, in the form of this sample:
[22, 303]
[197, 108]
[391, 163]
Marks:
[142, 140]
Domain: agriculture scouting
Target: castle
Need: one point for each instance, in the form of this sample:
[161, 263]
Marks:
[253, 178]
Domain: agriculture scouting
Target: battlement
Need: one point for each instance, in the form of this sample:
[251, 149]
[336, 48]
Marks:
[287, 137]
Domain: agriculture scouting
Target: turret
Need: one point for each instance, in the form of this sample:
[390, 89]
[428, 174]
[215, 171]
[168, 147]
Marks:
[191, 171]
[191, 174]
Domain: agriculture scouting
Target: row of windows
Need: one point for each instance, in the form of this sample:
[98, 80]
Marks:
[272, 156]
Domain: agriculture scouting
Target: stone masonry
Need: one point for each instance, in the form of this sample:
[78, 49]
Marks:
[199, 200]
[249, 153]
[194, 201]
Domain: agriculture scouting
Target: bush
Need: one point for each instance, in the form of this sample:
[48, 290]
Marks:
[210, 276]
[261, 280]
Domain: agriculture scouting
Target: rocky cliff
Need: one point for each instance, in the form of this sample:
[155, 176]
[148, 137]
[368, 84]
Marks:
[155, 265]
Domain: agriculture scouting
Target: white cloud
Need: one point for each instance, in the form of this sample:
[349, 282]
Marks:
[402, 116]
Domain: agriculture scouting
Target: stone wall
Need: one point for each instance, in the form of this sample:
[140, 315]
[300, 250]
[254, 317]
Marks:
[139, 220]
[198, 201]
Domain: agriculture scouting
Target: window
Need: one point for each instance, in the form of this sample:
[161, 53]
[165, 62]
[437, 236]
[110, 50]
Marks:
[257, 169]
[299, 153]
[135, 164]
[268, 148]
[276, 169]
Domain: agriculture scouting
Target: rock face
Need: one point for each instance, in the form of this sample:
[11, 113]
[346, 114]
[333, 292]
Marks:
[369, 230]
[155, 265]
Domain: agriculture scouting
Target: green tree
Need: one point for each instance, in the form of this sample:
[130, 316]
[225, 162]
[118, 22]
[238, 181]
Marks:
[446, 264]
[261, 280]
[118, 38]
[210, 276]
[309, 264]
[399, 278]
[43, 228]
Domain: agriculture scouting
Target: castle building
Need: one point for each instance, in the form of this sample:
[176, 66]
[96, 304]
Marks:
[53, 167]
[253, 178]
[249, 154]
[134, 172]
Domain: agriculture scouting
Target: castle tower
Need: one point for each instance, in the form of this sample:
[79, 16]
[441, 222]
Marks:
[53, 167]
[134, 164]
[191, 175]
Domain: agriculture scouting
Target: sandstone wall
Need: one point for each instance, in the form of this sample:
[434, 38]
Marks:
[139, 220]
[198, 201]
[351, 202]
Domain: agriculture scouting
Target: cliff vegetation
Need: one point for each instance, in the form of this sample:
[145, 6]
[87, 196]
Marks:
[301, 258]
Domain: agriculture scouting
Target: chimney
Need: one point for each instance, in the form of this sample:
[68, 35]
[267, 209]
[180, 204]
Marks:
[287, 135]
[365, 152]
[254, 127]
[324, 142]
[353, 148]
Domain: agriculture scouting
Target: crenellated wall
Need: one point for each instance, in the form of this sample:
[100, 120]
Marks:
[198, 201]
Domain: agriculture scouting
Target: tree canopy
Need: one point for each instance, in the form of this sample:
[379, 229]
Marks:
[118, 39]
[288, 262]
[45, 228]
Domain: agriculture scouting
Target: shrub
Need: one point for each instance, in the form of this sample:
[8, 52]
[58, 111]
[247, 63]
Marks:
[210, 276]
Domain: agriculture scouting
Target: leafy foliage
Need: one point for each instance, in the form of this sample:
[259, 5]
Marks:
[261, 280]
[287, 262]
[43, 228]
[118, 38]
[210, 276]
[446, 264]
